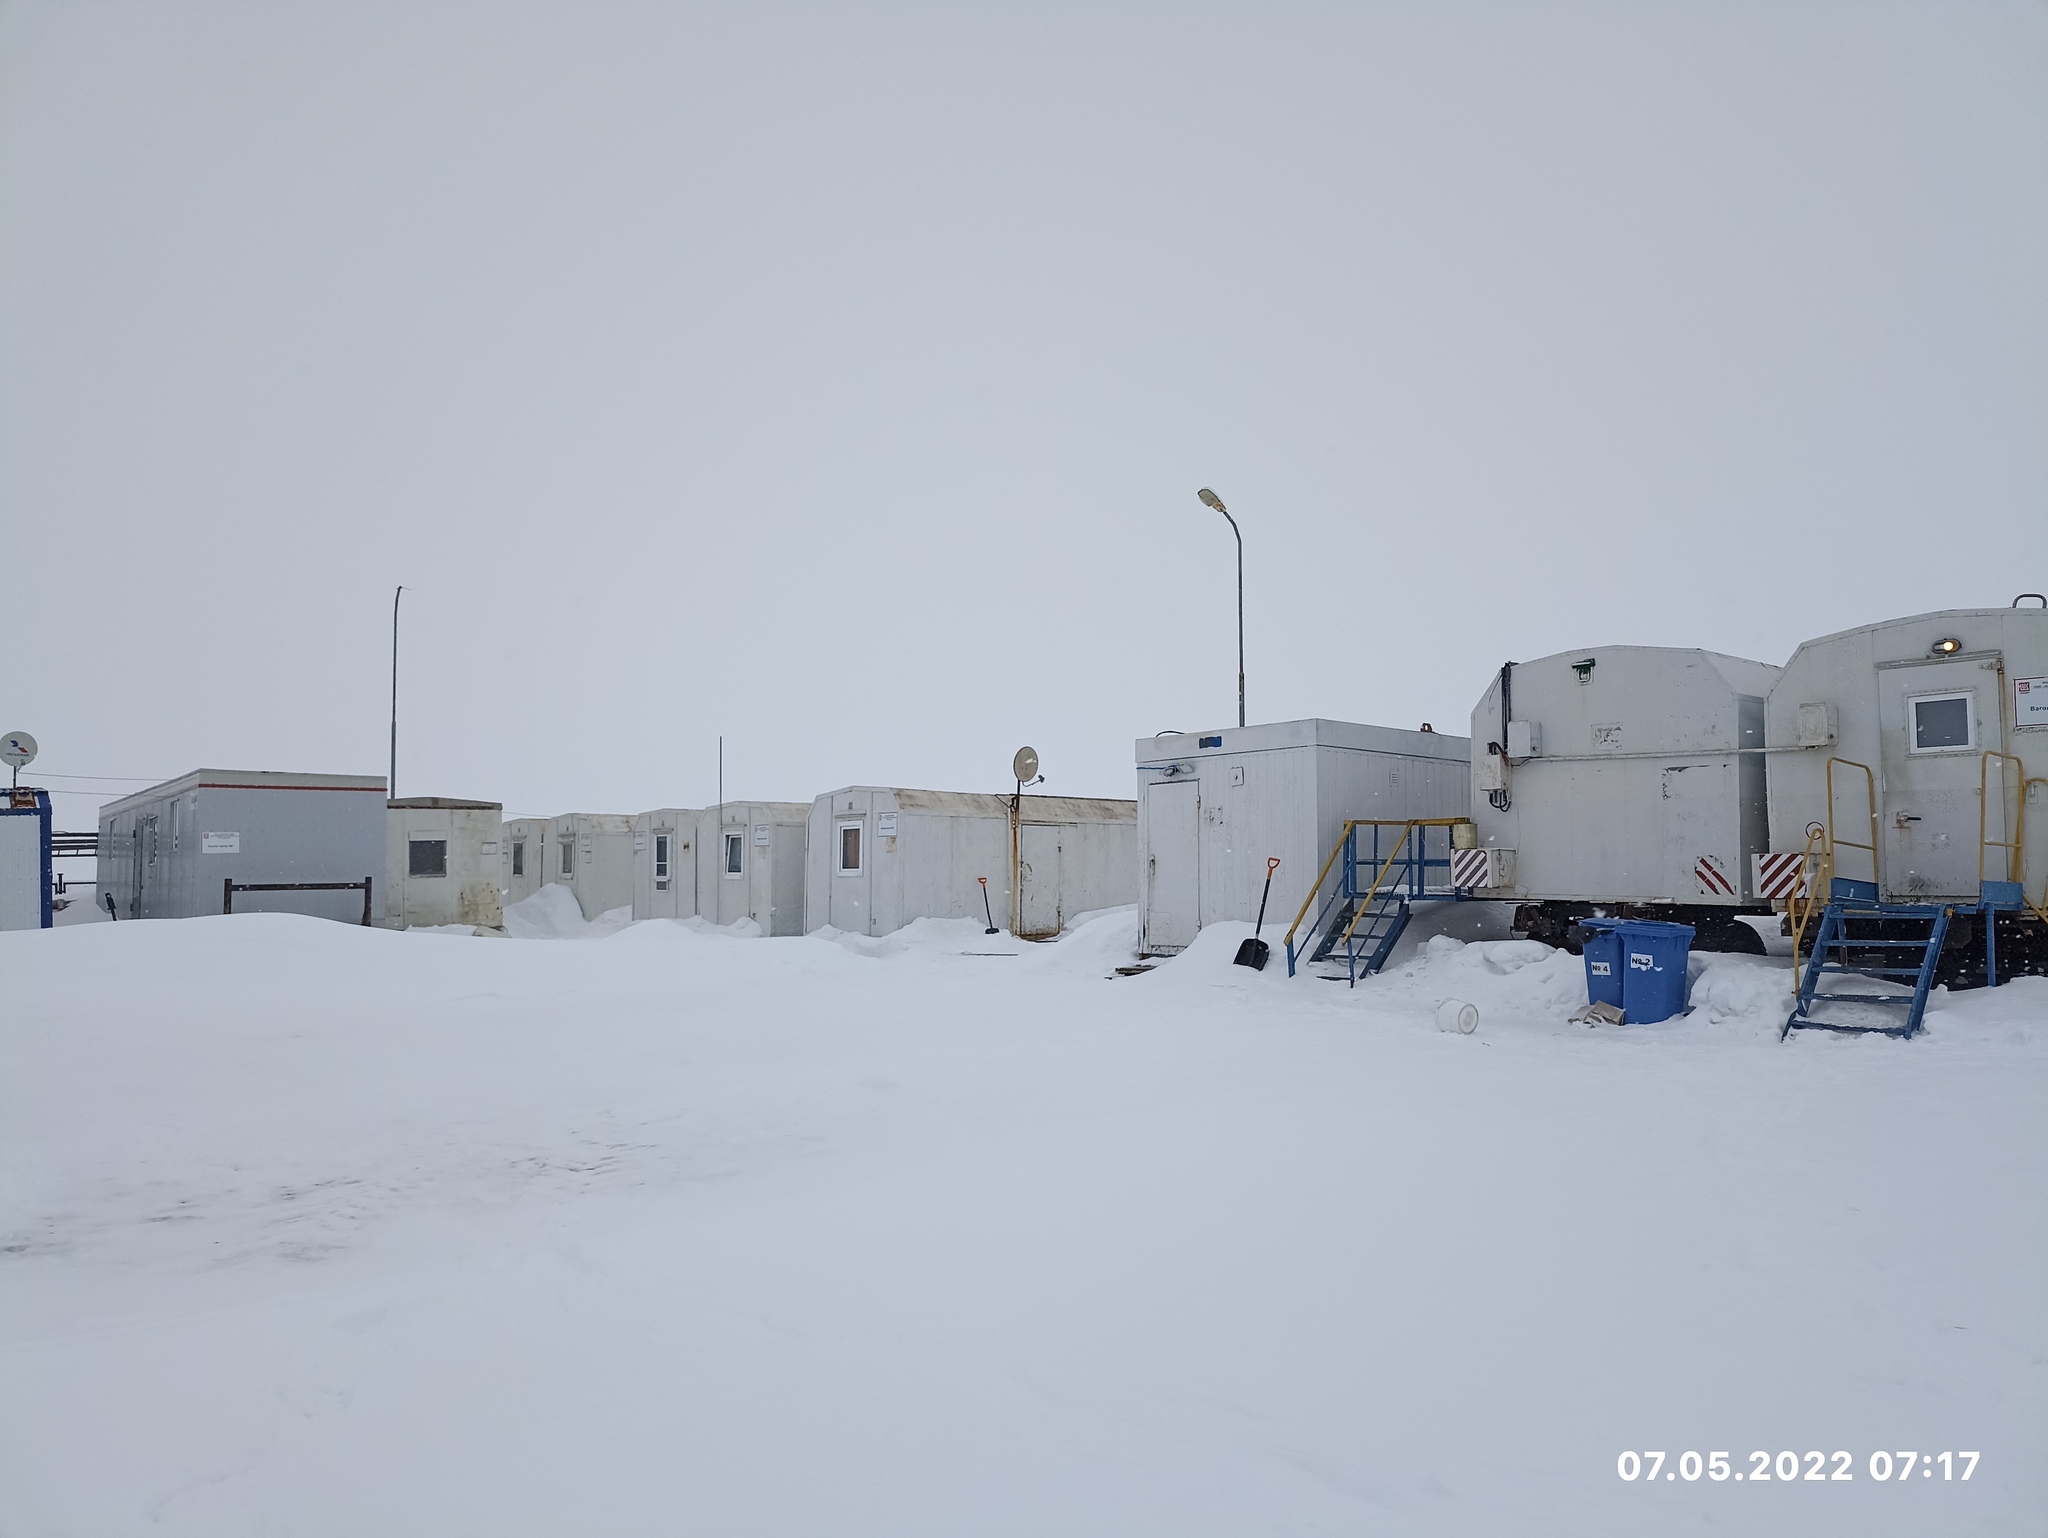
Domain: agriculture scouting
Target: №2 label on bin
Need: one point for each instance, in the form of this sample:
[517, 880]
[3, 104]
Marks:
[1642, 961]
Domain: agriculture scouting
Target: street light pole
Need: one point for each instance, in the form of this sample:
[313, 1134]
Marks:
[391, 780]
[1210, 499]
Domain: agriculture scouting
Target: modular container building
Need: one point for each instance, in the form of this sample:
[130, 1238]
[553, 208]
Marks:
[751, 864]
[1627, 780]
[1213, 807]
[25, 856]
[665, 863]
[1937, 727]
[165, 852]
[879, 857]
[442, 863]
[522, 858]
[592, 854]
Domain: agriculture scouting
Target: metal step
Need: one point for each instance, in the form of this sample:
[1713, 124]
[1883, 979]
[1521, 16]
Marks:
[1834, 938]
[1335, 933]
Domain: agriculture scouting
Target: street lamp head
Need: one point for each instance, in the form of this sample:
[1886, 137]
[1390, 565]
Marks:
[1210, 499]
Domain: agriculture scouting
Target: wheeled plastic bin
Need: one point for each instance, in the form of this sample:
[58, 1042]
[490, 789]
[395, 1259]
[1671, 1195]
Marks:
[1653, 973]
[1601, 946]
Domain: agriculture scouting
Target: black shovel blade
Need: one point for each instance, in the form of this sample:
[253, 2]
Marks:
[1253, 954]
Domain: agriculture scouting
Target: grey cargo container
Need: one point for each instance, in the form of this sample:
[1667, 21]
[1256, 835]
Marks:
[1919, 702]
[1628, 779]
[165, 852]
[880, 857]
[751, 864]
[1213, 807]
[442, 863]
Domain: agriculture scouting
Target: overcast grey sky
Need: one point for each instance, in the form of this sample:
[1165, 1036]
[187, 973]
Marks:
[840, 378]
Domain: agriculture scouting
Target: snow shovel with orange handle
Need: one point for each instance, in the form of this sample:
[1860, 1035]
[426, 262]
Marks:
[1253, 952]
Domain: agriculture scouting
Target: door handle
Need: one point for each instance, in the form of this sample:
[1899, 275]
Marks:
[1902, 819]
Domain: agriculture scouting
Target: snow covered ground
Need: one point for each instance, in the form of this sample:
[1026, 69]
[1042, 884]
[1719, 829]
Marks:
[311, 1229]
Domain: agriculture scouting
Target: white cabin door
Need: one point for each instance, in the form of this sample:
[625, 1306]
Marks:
[1938, 720]
[1038, 880]
[1173, 872]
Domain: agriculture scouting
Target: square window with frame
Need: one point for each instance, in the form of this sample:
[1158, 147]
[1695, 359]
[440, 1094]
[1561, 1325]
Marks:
[1943, 723]
[735, 853]
[849, 848]
[426, 857]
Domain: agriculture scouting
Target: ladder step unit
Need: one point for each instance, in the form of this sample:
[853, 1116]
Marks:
[1852, 904]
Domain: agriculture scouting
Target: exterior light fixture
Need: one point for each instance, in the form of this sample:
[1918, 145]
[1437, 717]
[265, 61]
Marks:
[1584, 670]
[1947, 646]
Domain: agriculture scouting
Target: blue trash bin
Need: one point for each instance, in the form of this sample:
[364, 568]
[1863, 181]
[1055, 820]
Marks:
[1604, 971]
[1653, 972]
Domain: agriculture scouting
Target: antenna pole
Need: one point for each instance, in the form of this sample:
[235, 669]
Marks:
[721, 771]
[391, 780]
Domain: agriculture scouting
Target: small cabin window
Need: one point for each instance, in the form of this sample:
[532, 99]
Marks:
[735, 847]
[1944, 723]
[426, 857]
[849, 847]
[519, 857]
[661, 857]
[569, 858]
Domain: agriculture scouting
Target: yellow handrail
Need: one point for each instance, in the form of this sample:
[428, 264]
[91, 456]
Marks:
[2040, 908]
[1803, 903]
[1365, 903]
[2017, 826]
[1835, 840]
[1309, 901]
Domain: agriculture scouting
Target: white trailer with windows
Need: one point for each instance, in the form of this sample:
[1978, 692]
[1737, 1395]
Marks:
[882, 856]
[1937, 728]
[522, 851]
[1213, 807]
[1627, 779]
[752, 864]
[665, 863]
[442, 864]
[591, 853]
[168, 852]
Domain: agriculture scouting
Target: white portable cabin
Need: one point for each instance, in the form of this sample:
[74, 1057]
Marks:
[880, 856]
[522, 852]
[751, 864]
[591, 853]
[665, 863]
[1624, 775]
[1919, 703]
[442, 864]
[1213, 807]
[166, 852]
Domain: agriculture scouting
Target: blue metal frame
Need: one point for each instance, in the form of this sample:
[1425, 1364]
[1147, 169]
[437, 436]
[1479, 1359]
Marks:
[1407, 882]
[1859, 899]
[39, 808]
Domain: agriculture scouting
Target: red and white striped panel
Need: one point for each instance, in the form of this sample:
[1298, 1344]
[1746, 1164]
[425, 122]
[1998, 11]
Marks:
[1779, 876]
[1468, 867]
[1711, 878]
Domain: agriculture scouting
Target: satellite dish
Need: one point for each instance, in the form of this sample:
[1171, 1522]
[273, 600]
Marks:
[1025, 763]
[18, 749]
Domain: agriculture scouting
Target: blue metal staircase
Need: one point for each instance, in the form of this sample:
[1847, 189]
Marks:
[1862, 936]
[1375, 893]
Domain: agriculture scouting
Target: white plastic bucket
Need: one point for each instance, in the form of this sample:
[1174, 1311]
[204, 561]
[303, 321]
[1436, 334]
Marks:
[1456, 1015]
